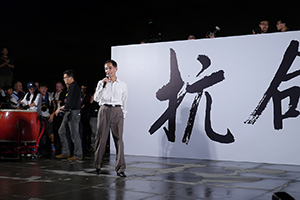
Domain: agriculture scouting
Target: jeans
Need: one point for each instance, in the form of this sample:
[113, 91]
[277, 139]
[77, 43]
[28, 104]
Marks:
[71, 120]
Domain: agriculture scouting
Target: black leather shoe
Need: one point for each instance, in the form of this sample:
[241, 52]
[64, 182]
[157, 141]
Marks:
[97, 171]
[121, 174]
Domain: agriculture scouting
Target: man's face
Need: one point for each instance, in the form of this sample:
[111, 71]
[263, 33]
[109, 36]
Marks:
[280, 25]
[264, 25]
[110, 69]
[19, 86]
[67, 79]
[43, 90]
[83, 89]
[4, 51]
[191, 37]
[58, 87]
[9, 91]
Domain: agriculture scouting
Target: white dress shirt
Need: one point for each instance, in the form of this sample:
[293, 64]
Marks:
[114, 93]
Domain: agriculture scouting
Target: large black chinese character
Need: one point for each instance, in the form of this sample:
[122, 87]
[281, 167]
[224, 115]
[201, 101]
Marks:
[175, 90]
[276, 95]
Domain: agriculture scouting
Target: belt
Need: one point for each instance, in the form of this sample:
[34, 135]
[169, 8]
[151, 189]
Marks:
[110, 105]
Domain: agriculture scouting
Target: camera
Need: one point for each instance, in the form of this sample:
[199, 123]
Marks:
[257, 30]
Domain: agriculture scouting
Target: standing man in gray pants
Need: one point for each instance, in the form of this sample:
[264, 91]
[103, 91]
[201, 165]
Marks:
[111, 93]
[71, 119]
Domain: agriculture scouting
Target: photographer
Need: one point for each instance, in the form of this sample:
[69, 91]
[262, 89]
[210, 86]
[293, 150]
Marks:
[213, 34]
[263, 27]
[48, 107]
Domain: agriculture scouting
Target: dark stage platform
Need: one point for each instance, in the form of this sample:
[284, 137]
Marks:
[147, 178]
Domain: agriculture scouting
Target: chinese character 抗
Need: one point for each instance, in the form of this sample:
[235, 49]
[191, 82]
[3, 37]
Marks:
[175, 90]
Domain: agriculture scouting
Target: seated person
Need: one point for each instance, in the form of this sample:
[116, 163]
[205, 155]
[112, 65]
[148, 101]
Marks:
[2, 93]
[33, 99]
[9, 101]
[2, 97]
[18, 92]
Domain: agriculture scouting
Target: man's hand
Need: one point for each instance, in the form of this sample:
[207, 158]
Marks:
[105, 80]
[50, 118]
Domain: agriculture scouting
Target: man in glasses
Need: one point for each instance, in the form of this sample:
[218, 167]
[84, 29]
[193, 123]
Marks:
[71, 119]
[264, 26]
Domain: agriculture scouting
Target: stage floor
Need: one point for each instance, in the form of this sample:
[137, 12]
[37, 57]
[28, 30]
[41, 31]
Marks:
[147, 178]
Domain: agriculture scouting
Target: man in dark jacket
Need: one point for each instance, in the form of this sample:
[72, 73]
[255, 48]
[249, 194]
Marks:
[71, 119]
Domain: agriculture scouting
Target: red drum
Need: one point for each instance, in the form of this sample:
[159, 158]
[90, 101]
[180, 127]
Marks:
[15, 122]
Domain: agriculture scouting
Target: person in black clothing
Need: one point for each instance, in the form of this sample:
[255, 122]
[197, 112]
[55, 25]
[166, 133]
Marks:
[281, 25]
[84, 122]
[6, 64]
[8, 102]
[93, 112]
[71, 119]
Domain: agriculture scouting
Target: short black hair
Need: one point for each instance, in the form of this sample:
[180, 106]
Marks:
[70, 72]
[282, 19]
[7, 87]
[44, 85]
[114, 63]
[15, 83]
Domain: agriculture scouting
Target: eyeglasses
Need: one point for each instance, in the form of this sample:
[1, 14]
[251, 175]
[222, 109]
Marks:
[65, 77]
[266, 24]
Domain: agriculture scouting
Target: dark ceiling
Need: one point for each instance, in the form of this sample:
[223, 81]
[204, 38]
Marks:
[46, 37]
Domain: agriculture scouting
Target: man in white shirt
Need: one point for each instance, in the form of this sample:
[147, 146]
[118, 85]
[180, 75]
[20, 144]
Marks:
[111, 94]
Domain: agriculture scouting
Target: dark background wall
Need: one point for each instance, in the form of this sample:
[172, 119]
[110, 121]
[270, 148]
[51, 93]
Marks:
[46, 37]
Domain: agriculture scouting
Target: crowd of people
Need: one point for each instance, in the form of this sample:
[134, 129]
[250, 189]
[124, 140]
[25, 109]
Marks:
[70, 110]
[263, 27]
[70, 116]
[38, 98]
[45, 103]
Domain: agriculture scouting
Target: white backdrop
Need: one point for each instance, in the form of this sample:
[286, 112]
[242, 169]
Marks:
[249, 64]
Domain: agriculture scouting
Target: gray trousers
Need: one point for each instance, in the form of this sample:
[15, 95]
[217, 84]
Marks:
[70, 122]
[110, 118]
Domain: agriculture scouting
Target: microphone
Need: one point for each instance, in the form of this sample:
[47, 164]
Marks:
[107, 76]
